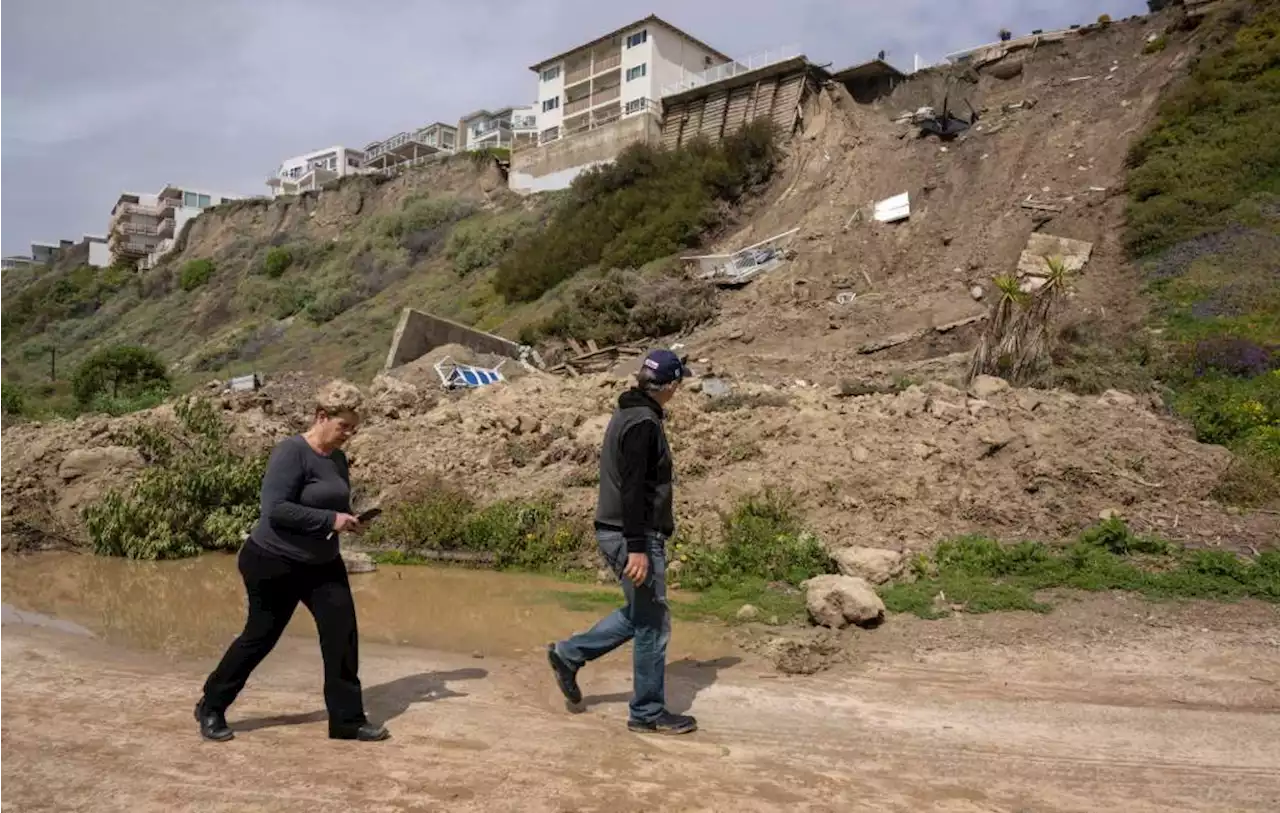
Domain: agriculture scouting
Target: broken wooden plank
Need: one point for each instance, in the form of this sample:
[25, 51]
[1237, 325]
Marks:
[592, 346]
[1040, 207]
[577, 348]
[950, 326]
[893, 341]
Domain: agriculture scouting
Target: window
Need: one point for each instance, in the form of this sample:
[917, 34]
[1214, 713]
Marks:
[205, 202]
[636, 105]
[636, 72]
[551, 73]
[638, 39]
[190, 199]
[551, 104]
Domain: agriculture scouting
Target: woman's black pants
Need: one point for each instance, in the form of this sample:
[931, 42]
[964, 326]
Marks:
[275, 586]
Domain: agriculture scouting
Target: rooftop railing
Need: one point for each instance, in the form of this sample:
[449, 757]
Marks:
[718, 73]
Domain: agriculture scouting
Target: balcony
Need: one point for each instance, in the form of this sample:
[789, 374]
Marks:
[523, 123]
[719, 72]
[603, 63]
[577, 73]
[577, 106]
[603, 95]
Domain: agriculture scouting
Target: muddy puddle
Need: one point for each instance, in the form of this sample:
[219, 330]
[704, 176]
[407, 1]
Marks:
[195, 607]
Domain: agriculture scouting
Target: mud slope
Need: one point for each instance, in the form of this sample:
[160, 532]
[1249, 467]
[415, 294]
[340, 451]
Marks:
[1079, 104]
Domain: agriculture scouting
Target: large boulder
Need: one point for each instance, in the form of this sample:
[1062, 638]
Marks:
[393, 397]
[984, 386]
[838, 601]
[876, 565]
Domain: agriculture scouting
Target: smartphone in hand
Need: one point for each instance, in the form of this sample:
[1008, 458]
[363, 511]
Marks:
[368, 516]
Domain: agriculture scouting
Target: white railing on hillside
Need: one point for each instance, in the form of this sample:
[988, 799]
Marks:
[719, 72]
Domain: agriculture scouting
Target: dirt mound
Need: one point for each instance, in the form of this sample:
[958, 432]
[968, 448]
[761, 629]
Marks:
[893, 471]
[421, 372]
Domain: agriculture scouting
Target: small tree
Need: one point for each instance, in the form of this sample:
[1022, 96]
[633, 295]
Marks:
[1104, 19]
[119, 370]
[1005, 35]
[10, 400]
[277, 261]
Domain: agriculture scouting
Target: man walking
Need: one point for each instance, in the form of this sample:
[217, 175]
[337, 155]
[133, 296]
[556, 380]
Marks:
[634, 519]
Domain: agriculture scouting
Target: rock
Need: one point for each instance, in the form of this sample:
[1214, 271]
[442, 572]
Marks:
[716, 388]
[837, 601]
[977, 293]
[911, 401]
[875, 565]
[1028, 400]
[944, 409]
[1117, 398]
[97, 461]
[523, 425]
[984, 386]
[976, 407]
[391, 396]
[1109, 513]
[860, 454]
[995, 436]
[358, 562]
[803, 652]
[748, 612]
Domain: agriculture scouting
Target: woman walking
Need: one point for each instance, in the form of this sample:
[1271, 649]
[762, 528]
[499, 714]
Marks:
[292, 556]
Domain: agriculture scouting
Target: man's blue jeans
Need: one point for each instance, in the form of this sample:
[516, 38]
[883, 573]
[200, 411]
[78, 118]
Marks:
[645, 618]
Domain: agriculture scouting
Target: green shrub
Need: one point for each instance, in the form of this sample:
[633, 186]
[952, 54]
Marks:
[11, 400]
[277, 261]
[625, 306]
[420, 213]
[196, 493]
[480, 242]
[330, 303]
[1156, 45]
[524, 534]
[287, 300]
[648, 203]
[195, 273]
[57, 295]
[761, 538]
[119, 371]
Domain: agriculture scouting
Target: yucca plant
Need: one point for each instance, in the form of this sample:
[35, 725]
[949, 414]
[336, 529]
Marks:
[1033, 334]
[998, 339]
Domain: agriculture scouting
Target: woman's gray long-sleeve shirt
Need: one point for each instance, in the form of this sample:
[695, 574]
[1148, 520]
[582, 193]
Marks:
[302, 492]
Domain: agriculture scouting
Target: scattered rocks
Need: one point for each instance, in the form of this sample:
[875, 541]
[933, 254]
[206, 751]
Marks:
[1117, 398]
[984, 386]
[748, 612]
[523, 425]
[838, 601]
[875, 565]
[804, 651]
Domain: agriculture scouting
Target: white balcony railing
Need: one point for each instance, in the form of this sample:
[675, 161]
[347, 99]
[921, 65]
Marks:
[606, 95]
[720, 72]
[577, 106]
[524, 123]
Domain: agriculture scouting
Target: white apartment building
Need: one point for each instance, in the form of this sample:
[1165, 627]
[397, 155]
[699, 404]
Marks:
[143, 226]
[620, 74]
[486, 129]
[304, 173]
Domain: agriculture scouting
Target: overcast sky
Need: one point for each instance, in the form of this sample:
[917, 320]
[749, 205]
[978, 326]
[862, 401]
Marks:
[101, 96]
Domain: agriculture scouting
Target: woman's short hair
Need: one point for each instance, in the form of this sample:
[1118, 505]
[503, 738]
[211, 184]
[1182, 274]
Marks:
[339, 396]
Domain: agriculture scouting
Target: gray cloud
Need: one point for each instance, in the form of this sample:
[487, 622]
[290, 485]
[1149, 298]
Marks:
[101, 97]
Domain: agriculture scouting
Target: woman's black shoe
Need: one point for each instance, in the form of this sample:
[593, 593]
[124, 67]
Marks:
[213, 724]
[365, 732]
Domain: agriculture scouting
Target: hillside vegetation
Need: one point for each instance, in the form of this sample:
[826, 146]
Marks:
[318, 282]
[1204, 225]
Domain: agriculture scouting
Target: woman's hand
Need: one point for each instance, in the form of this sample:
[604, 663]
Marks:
[346, 524]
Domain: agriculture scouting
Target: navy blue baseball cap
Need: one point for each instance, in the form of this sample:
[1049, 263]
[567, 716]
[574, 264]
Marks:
[665, 366]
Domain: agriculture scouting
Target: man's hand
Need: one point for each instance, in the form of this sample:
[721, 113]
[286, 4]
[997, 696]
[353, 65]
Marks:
[637, 569]
[346, 524]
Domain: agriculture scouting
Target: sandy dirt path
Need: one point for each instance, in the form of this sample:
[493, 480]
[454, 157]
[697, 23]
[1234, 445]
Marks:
[1175, 724]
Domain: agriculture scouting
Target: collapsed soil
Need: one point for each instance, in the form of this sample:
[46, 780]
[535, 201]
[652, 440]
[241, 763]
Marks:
[897, 471]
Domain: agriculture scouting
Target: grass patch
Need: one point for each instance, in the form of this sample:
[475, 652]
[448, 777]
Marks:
[715, 604]
[195, 273]
[985, 576]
